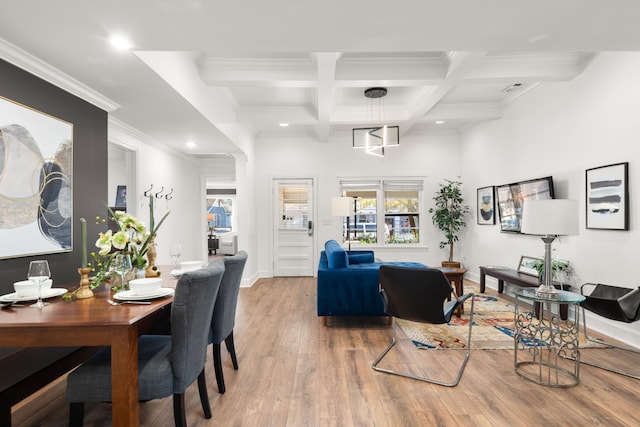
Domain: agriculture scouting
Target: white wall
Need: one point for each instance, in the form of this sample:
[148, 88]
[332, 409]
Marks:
[562, 129]
[433, 156]
[186, 224]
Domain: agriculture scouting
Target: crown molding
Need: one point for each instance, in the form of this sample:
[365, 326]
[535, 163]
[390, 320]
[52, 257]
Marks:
[24, 60]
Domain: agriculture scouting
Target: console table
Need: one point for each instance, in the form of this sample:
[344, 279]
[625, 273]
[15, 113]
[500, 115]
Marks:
[512, 276]
[550, 345]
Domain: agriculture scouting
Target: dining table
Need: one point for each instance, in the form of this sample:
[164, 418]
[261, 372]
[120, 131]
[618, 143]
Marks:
[93, 322]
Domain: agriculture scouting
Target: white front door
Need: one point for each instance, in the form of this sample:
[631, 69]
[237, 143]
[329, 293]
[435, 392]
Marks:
[293, 227]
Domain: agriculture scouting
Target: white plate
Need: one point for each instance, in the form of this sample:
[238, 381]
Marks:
[130, 296]
[14, 297]
[176, 273]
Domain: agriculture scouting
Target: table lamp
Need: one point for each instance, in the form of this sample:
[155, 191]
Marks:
[343, 206]
[549, 218]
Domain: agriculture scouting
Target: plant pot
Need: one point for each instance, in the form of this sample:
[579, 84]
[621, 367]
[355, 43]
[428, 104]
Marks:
[451, 264]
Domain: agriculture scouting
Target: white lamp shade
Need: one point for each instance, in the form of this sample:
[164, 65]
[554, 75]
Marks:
[550, 217]
[342, 206]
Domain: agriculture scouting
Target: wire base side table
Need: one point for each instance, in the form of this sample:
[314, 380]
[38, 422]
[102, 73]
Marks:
[547, 347]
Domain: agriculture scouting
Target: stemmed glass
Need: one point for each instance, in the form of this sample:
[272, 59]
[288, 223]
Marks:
[174, 251]
[38, 273]
[121, 265]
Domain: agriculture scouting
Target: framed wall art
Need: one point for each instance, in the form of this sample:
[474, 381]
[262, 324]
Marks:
[36, 181]
[486, 206]
[607, 197]
[526, 265]
[510, 200]
[121, 196]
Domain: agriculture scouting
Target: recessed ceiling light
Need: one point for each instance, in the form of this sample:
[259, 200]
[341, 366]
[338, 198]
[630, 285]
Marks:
[439, 122]
[191, 144]
[121, 42]
[284, 125]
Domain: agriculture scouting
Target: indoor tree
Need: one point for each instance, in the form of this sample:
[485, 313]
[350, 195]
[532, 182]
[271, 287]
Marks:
[449, 213]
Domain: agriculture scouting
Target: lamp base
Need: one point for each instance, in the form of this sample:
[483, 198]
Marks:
[547, 292]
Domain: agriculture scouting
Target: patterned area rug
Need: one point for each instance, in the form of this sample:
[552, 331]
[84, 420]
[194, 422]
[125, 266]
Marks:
[493, 327]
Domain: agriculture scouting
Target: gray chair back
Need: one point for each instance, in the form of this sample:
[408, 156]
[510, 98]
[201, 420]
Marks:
[191, 312]
[224, 312]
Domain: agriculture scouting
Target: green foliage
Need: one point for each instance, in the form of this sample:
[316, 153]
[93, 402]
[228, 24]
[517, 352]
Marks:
[556, 266]
[367, 240]
[449, 213]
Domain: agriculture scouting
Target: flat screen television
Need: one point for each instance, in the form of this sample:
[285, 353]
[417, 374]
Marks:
[510, 198]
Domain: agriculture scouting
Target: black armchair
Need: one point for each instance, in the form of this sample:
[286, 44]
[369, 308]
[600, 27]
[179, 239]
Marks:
[615, 303]
[420, 295]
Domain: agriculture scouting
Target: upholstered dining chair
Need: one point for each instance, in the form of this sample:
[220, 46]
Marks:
[224, 314]
[614, 303]
[167, 364]
[420, 295]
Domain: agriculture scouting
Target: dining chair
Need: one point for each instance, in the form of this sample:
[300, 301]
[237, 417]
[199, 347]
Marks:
[420, 295]
[224, 314]
[167, 364]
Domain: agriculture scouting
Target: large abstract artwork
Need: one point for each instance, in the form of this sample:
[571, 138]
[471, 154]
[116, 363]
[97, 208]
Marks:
[608, 197]
[35, 181]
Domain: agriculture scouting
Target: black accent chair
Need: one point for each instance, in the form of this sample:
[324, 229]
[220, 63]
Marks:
[615, 303]
[224, 314]
[420, 295]
[167, 364]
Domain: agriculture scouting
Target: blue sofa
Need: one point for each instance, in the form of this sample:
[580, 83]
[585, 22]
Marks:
[348, 282]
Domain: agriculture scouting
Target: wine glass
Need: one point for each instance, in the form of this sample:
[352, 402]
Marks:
[121, 265]
[174, 251]
[38, 273]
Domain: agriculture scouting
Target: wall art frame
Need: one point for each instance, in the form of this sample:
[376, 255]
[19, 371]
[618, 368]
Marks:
[526, 265]
[607, 197]
[486, 203]
[36, 182]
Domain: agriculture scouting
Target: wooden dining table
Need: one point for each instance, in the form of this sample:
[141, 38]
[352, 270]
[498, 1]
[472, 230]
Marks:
[93, 322]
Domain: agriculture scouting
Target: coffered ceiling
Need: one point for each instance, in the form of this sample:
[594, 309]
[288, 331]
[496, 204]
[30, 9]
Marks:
[219, 74]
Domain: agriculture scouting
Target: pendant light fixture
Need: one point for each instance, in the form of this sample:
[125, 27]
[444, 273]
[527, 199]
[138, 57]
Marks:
[375, 138]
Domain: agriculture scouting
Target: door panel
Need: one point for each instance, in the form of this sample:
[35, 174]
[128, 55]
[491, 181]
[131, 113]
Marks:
[293, 227]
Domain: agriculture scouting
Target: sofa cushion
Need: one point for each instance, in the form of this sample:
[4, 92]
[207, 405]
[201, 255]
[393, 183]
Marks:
[360, 257]
[336, 256]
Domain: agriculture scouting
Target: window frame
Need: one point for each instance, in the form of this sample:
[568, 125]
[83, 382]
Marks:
[381, 185]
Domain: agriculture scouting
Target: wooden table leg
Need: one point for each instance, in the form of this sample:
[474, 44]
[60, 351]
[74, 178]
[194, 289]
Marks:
[124, 377]
[482, 281]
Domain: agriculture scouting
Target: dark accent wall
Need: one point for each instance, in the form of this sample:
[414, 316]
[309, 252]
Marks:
[89, 169]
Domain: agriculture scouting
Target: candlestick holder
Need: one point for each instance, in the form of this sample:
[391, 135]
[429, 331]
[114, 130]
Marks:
[152, 268]
[84, 291]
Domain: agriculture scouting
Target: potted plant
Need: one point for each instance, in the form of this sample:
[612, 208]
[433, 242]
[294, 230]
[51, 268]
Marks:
[557, 266]
[449, 216]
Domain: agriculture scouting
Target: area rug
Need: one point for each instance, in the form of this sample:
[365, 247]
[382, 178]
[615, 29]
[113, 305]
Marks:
[493, 327]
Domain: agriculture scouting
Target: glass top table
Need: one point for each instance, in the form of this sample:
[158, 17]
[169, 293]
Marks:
[546, 346]
[562, 297]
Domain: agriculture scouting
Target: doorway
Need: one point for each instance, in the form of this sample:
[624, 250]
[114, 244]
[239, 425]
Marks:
[294, 240]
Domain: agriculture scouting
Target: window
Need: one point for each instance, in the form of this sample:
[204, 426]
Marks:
[220, 215]
[395, 200]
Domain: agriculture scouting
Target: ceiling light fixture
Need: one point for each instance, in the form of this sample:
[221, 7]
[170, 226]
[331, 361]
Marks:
[284, 125]
[191, 144]
[439, 122]
[375, 138]
[120, 43]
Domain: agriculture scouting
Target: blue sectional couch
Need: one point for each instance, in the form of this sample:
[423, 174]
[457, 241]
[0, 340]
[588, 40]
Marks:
[348, 282]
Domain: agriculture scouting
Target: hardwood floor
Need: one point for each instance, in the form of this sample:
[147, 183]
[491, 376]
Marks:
[295, 372]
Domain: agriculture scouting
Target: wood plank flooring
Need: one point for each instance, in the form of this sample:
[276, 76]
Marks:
[295, 372]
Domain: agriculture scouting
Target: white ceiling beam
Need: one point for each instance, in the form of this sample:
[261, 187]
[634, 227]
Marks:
[325, 93]
[470, 111]
[268, 115]
[285, 72]
[459, 65]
